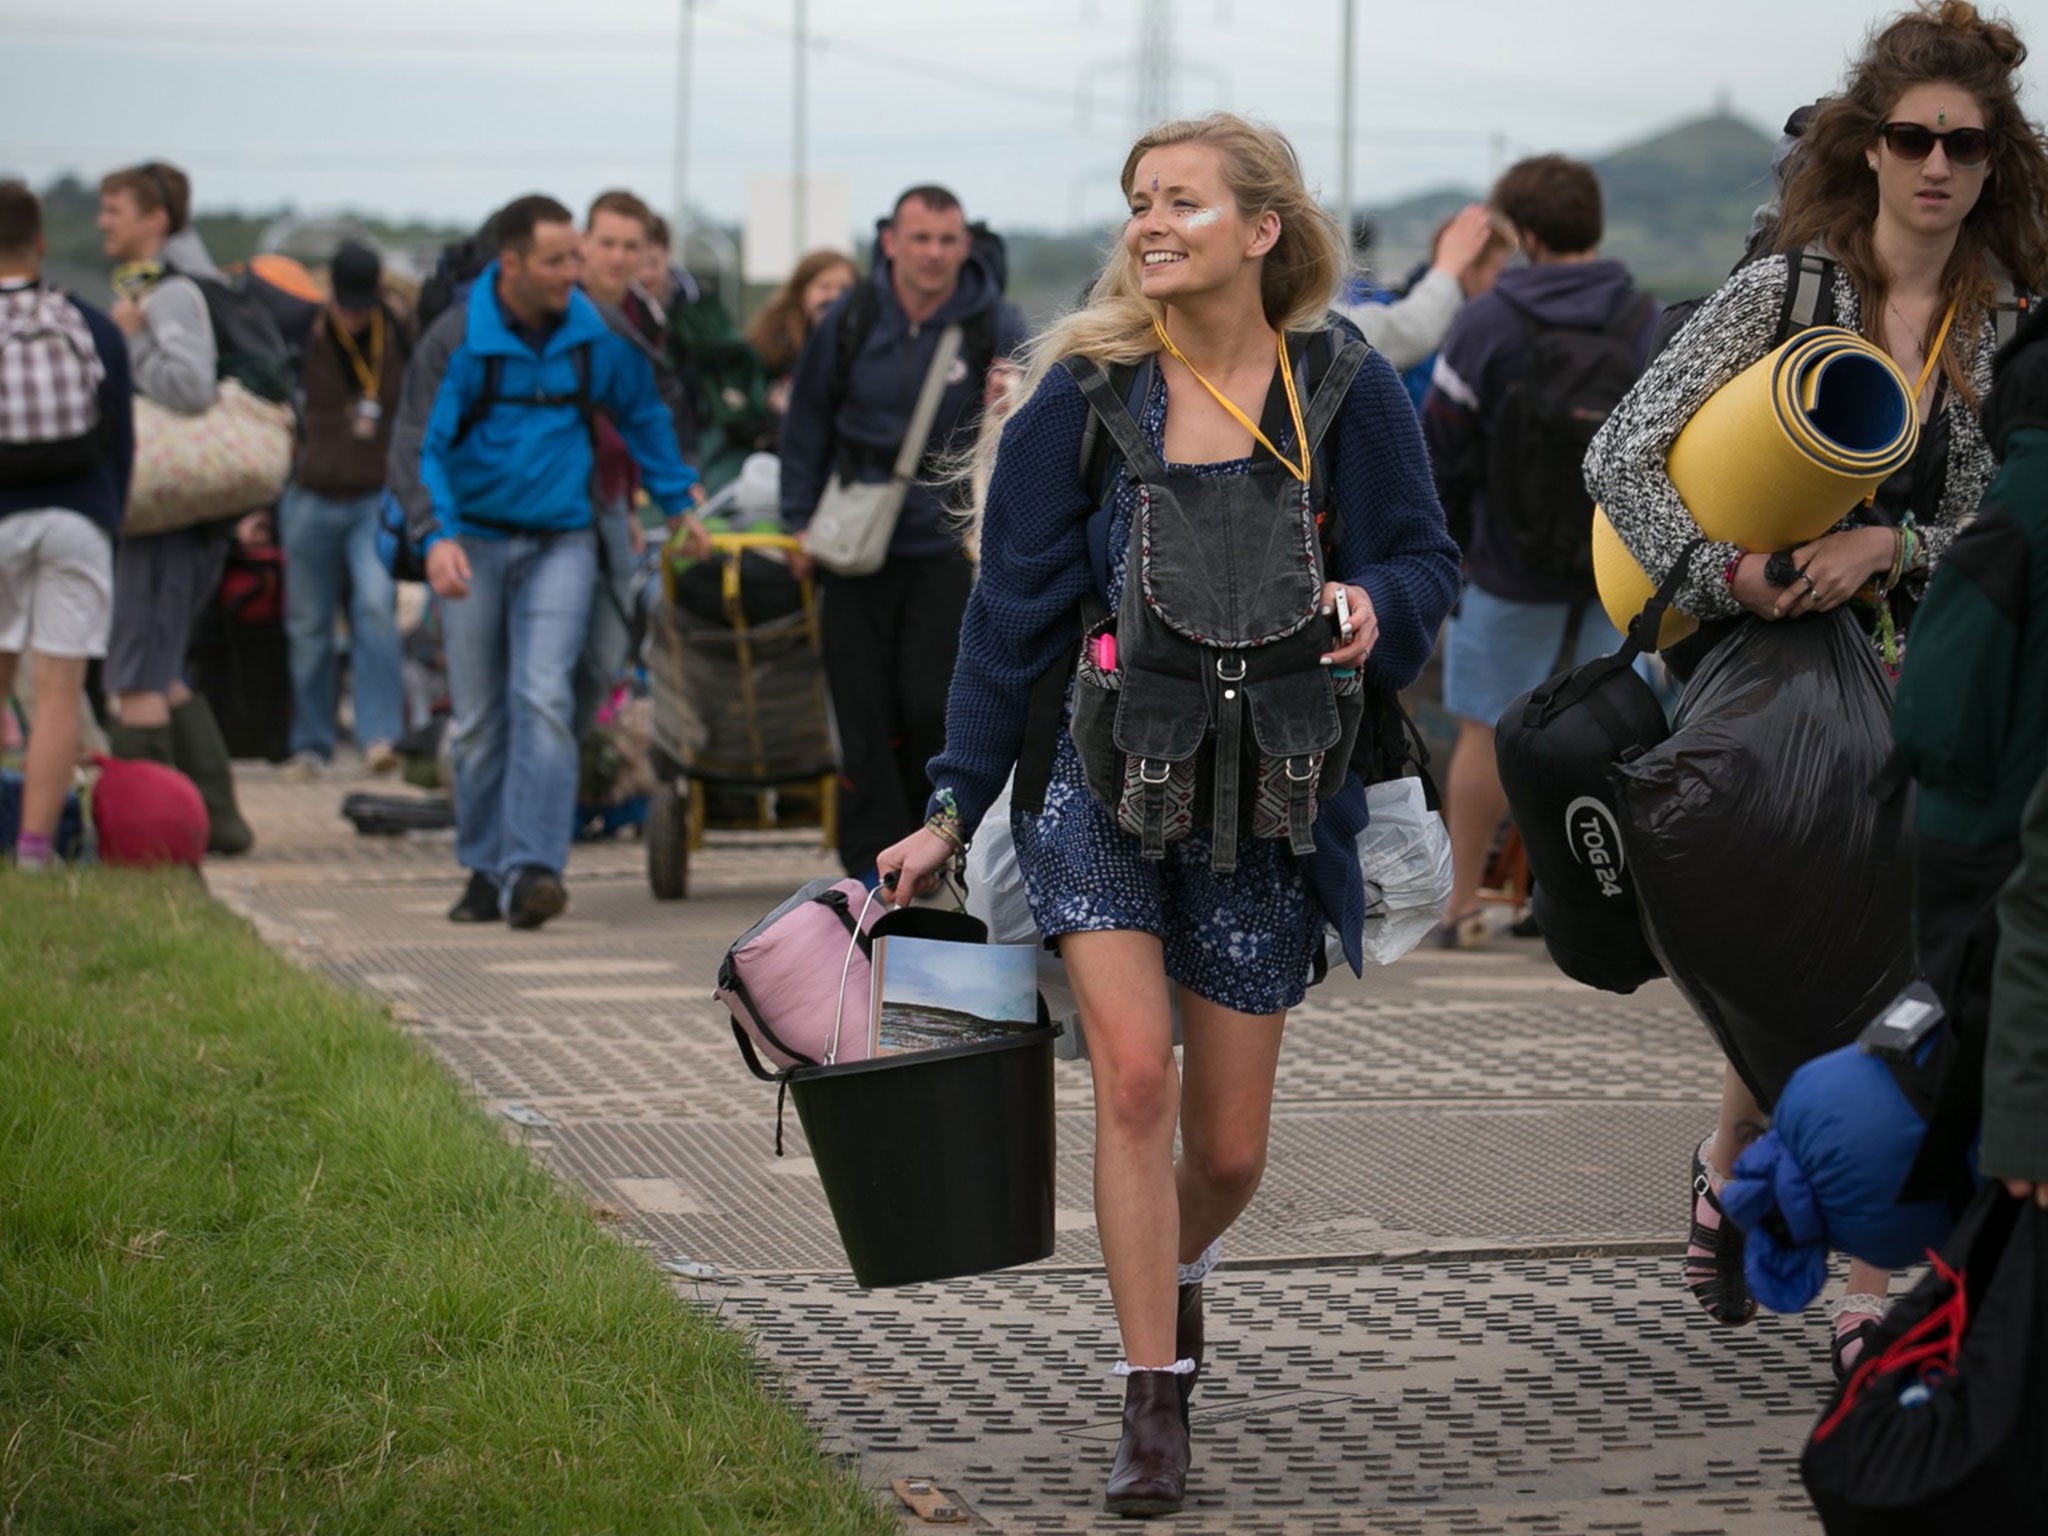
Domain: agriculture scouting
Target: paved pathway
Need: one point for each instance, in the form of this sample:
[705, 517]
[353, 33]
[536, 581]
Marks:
[1453, 1308]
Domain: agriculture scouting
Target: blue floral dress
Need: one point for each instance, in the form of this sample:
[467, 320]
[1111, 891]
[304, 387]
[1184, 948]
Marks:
[1244, 940]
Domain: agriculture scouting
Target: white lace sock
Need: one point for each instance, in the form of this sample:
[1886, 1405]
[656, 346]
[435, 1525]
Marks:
[1197, 1272]
[1178, 1368]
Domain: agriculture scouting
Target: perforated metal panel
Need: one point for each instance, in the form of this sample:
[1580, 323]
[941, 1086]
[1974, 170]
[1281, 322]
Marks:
[1540, 1371]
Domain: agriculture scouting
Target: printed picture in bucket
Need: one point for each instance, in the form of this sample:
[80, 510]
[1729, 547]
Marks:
[930, 994]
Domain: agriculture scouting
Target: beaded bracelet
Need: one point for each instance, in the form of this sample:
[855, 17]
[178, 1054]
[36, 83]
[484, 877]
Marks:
[1728, 571]
[948, 828]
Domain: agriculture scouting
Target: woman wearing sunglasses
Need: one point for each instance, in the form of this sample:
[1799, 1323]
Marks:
[1927, 188]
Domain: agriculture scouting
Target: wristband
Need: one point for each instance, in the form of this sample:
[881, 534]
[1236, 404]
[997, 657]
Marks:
[1728, 571]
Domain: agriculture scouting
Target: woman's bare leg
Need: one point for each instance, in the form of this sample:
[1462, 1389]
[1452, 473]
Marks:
[1742, 1120]
[1226, 1111]
[1119, 981]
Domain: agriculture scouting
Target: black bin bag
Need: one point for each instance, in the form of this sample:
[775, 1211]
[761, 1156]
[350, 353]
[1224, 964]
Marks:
[1942, 1429]
[1557, 747]
[1766, 888]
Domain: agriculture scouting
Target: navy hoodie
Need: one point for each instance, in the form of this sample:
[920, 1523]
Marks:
[883, 392]
[1486, 352]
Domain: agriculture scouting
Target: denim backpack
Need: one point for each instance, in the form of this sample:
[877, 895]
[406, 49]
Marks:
[1217, 676]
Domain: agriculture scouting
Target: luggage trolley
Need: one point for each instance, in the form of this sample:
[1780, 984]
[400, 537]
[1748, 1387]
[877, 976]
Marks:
[739, 696]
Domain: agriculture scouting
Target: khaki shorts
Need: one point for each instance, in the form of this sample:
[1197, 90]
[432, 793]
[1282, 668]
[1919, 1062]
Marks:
[56, 584]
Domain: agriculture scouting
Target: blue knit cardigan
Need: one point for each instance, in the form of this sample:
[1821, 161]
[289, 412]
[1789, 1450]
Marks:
[1035, 564]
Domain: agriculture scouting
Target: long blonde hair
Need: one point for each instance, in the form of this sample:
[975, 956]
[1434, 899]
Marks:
[1296, 283]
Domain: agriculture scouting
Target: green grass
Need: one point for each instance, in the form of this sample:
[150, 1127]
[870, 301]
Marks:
[264, 1267]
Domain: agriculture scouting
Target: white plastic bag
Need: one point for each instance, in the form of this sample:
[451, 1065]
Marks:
[1404, 853]
[995, 894]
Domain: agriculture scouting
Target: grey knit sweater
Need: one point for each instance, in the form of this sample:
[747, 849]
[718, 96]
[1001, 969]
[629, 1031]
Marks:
[1736, 326]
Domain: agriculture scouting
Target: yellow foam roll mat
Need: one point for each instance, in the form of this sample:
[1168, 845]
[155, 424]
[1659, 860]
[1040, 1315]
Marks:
[1776, 457]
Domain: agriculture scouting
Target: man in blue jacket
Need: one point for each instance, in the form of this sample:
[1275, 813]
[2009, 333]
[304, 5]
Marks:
[67, 443]
[492, 460]
[891, 637]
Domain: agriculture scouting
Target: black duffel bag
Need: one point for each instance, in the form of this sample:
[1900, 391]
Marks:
[1943, 1426]
[1557, 748]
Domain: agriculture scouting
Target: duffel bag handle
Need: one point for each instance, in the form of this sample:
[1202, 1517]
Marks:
[1642, 629]
[1579, 684]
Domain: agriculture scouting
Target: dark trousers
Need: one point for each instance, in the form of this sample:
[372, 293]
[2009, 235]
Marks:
[890, 640]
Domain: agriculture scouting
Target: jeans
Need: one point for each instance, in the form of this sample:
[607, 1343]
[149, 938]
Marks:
[607, 644]
[322, 540]
[512, 648]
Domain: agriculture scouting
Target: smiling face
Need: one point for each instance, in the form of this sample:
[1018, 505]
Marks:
[613, 248]
[538, 281]
[1931, 196]
[1186, 233]
[821, 290]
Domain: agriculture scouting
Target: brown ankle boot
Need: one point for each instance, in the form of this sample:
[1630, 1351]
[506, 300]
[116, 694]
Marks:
[1151, 1472]
[1187, 1340]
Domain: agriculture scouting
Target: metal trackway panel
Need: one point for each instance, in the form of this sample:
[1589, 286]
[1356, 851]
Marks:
[1467, 1104]
[1342, 1183]
[1566, 1396]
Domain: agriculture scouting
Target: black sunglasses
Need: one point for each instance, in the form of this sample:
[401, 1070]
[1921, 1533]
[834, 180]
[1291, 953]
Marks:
[1966, 148]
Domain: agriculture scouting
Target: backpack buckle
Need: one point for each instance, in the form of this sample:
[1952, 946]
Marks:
[1222, 662]
[1145, 774]
[1312, 773]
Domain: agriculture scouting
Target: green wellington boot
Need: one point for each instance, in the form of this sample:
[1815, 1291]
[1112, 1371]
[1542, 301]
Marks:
[140, 743]
[201, 754]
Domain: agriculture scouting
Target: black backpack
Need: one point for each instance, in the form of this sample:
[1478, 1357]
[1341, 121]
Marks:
[249, 344]
[461, 263]
[1535, 456]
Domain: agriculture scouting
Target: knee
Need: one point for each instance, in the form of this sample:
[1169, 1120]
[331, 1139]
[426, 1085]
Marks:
[1228, 1167]
[1137, 1095]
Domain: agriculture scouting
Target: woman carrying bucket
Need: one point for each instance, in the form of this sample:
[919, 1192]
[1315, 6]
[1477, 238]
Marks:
[1267, 476]
[1921, 202]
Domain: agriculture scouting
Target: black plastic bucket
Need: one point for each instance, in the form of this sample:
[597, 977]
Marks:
[936, 1163]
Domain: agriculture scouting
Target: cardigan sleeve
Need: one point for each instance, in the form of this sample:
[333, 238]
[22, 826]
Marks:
[1625, 464]
[1391, 539]
[1034, 568]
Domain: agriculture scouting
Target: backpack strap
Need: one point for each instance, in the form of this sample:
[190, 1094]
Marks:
[856, 323]
[1809, 292]
[490, 394]
[486, 397]
[1327, 370]
[1108, 408]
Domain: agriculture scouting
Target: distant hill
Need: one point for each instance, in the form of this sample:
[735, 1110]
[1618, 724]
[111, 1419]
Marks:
[1678, 205]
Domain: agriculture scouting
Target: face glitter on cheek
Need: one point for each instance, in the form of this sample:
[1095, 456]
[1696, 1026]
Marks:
[1204, 218]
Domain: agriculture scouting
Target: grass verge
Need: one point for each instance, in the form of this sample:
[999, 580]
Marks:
[264, 1267]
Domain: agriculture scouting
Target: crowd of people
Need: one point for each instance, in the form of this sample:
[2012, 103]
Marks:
[1048, 569]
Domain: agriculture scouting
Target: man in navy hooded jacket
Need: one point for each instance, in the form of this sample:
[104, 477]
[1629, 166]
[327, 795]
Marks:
[1510, 629]
[491, 458]
[890, 638]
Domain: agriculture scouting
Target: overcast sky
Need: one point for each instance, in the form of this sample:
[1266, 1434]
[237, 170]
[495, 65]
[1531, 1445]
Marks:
[446, 109]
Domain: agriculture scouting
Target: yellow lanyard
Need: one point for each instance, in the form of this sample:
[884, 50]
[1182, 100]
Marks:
[367, 373]
[1933, 354]
[1293, 403]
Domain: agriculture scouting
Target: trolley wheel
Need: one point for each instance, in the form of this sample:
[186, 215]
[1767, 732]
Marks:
[668, 843]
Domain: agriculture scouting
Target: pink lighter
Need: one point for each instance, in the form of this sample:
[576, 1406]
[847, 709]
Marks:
[1105, 652]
